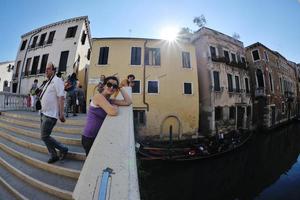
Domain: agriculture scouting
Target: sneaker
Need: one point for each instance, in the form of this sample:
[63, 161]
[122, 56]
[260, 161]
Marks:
[63, 154]
[53, 159]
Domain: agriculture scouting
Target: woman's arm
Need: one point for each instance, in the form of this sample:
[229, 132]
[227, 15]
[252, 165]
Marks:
[102, 102]
[125, 102]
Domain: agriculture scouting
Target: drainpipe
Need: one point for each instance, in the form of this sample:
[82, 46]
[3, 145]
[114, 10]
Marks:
[144, 77]
[20, 77]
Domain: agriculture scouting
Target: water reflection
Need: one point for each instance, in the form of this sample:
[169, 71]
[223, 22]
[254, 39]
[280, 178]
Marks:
[265, 168]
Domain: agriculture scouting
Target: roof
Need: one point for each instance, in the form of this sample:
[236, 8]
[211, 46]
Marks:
[215, 31]
[6, 62]
[125, 38]
[58, 23]
[260, 44]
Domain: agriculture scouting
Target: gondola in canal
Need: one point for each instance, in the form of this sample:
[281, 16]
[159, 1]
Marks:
[202, 148]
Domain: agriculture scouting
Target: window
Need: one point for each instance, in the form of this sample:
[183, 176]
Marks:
[283, 107]
[226, 55]
[280, 85]
[213, 52]
[139, 117]
[230, 84]
[237, 84]
[266, 56]
[18, 68]
[218, 113]
[186, 63]
[71, 32]
[271, 82]
[260, 79]
[83, 38]
[23, 45]
[231, 112]
[88, 56]
[255, 55]
[153, 87]
[35, 64]
[152, 56]
[42, 39]
[233, 57]
[5, 84]
[28, 62]
[243, 59]
[51, 37]
[63, 61]
[216, 81]
[44, 63]
[103, 55]
[34, 41]
[136, 87]
[187, 88]
[136, 55]
[247, 85]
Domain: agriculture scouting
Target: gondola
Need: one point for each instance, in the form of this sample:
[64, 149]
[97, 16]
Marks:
[203, 148]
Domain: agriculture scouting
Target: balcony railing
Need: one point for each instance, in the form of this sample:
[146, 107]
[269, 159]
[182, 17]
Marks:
[241, 65]
[260, 92]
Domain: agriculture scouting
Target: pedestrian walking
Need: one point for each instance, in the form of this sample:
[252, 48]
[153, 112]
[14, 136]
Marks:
[52, 101]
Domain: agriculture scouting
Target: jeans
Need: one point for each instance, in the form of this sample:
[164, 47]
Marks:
[87, 144]
[47, 124]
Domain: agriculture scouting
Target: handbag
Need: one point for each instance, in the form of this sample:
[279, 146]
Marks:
[38, 104]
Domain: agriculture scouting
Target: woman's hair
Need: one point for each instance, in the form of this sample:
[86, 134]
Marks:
[111, 78]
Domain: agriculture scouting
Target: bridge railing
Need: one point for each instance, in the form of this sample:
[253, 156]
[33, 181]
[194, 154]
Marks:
[111, 166]
[12, 101]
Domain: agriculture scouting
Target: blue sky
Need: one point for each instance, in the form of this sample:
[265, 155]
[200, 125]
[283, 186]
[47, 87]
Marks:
[274, 23]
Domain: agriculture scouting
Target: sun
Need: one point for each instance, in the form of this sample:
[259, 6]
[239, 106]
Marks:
[169, 33]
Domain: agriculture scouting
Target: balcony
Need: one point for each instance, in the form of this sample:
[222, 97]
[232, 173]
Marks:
[240, 65]
[289, 95]
[260, 92]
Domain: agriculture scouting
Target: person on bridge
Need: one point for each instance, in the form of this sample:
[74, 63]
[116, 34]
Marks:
[52, 109]
[100, 106]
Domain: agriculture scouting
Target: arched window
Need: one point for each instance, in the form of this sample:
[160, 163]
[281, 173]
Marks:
[260, 78]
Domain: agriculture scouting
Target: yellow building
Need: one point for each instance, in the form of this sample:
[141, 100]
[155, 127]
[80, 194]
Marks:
[165, 94]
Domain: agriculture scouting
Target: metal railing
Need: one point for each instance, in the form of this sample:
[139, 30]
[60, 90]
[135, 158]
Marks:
[12, 101]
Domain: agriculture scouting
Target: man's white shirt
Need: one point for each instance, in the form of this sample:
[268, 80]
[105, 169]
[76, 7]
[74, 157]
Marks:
[55, 89]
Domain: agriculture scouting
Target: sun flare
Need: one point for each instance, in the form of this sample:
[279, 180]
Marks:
[169, 33]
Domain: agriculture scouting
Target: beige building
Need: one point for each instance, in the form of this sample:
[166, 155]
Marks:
[165, 94]
[65, 43]
[224, 82]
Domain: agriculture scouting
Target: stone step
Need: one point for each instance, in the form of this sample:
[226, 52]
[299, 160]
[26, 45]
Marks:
[42, 157]
[8, 192]
[53, 179]
[37, 125]
[37, 147]
[37, 135]
[30, 187]
[73, 148]
[38, 130]
[35, 116]
[39, 164]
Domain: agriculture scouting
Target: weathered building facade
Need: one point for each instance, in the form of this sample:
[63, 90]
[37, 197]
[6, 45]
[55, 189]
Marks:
[274, 86]
[65, 43]
[6, 73]
[165, 94]
[224, 82]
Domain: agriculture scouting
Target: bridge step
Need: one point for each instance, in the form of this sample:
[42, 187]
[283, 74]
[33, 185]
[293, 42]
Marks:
[24, 171]
[36, 134]
[35, 116]
[71, 130]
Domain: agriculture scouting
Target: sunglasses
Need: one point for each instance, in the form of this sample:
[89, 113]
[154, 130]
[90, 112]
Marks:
[110, 85]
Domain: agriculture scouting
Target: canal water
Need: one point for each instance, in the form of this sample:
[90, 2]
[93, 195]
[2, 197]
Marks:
[266, 167]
